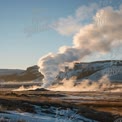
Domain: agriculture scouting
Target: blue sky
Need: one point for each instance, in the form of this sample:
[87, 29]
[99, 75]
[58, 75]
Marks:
[20, 50]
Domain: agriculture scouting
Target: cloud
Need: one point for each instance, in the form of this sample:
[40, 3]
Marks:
[66, 26]
[72, 24]
[92, 38]
[101, 37]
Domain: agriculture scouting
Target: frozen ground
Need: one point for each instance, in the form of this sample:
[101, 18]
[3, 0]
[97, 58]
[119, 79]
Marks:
[53, 115]
[54, 106]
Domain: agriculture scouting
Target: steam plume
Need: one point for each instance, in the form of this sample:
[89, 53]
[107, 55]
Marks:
[85, 85]
[90, 39]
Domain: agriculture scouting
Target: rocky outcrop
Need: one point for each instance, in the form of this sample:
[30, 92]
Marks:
[93, 70]
[31, 73]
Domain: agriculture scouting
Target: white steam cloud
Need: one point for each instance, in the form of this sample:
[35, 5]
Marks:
[86, 85]
[72, 24]
[22, 88]
[102, 35]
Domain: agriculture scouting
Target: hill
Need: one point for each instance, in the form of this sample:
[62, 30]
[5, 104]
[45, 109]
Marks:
[31, 73]
[93, 70]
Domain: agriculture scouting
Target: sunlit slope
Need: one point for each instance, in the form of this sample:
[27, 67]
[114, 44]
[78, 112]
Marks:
[94, 71]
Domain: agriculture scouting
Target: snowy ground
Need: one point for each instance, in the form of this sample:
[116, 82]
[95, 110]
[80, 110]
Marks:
[51, 114]
[42, 105]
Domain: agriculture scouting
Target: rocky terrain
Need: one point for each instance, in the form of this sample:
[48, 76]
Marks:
[40, 104]
[54, 106]
[93, 71]
[31, 73]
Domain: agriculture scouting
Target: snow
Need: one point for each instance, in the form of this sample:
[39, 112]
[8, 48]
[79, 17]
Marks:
[50, 114]
[28, 117]
[99, 69]
[114, 73]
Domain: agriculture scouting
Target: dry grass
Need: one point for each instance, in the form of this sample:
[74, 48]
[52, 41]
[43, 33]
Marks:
[107, 107]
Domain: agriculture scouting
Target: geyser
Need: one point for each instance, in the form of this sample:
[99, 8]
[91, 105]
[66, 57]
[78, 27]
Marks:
[90, 39]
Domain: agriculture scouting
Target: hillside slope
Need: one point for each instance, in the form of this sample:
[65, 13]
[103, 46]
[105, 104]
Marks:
[94, 71]
[31, 73]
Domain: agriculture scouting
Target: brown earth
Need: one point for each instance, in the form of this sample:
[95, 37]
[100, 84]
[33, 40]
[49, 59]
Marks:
[100, 106]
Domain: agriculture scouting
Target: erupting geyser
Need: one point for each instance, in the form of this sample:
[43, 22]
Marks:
[90, 39]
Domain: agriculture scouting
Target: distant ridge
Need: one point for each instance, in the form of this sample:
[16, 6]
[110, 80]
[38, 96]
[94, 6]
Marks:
[31, 73]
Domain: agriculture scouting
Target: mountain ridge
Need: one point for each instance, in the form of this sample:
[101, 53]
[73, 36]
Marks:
[31, 73]
[93, 70]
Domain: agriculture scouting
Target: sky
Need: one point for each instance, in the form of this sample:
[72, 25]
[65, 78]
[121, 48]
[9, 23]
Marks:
[30, 29]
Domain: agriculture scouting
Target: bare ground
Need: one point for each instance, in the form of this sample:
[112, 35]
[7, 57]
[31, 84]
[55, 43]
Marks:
[100, 106]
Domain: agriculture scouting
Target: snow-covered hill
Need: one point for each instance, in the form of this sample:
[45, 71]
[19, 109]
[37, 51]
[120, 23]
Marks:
[94, 71]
